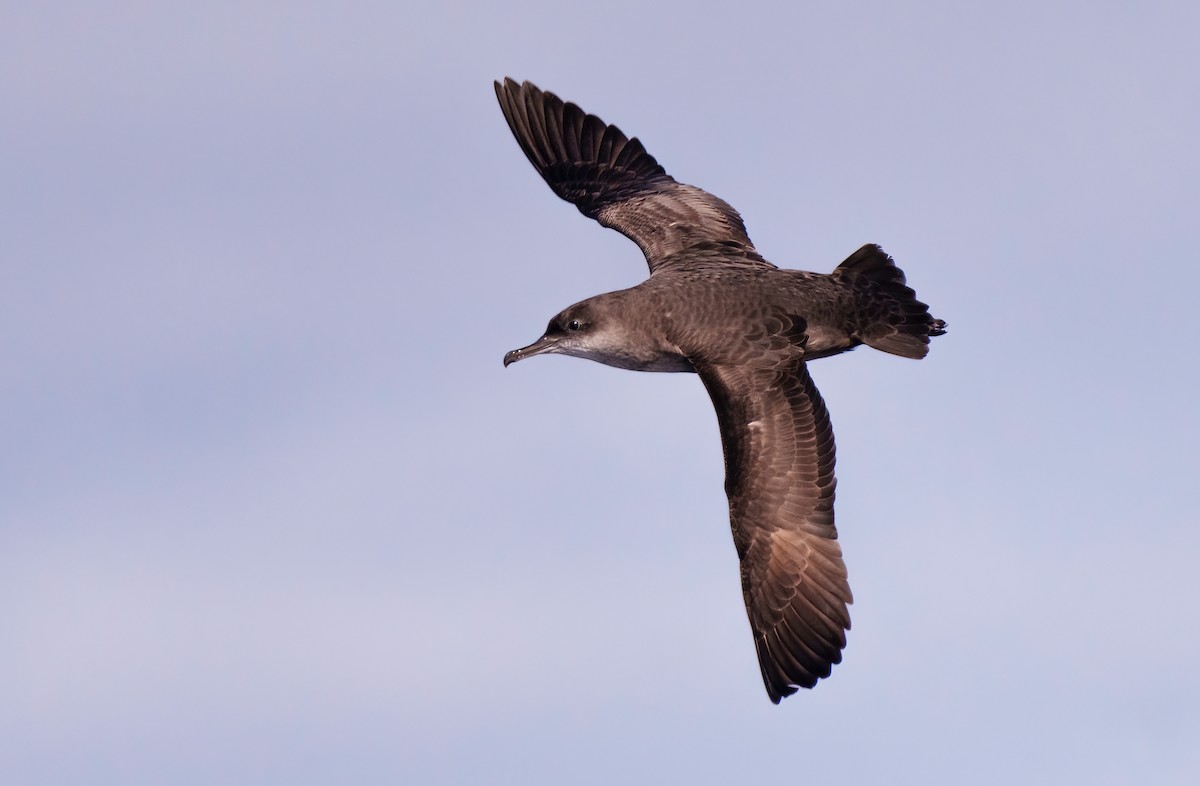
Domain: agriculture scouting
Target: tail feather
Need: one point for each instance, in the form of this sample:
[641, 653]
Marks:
[890, 317]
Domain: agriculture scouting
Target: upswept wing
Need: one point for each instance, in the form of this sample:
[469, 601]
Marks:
[612, 179]
[779, 457]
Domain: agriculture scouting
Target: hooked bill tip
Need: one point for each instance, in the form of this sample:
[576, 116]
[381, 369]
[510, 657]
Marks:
[515, 355]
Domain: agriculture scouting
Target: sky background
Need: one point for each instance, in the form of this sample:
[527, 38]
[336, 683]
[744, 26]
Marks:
[271, 510]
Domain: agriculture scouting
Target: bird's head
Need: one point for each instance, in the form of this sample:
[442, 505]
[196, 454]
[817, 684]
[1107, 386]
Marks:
[577, 330]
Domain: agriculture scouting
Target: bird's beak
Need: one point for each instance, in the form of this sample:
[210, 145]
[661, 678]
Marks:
[541, 346]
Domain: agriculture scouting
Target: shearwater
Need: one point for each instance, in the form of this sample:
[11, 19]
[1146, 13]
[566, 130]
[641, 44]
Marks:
[712, 305]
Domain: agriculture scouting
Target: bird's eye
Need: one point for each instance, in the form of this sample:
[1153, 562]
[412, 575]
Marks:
[574, 324]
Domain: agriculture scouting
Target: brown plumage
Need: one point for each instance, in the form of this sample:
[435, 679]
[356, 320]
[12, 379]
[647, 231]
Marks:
[712, 305]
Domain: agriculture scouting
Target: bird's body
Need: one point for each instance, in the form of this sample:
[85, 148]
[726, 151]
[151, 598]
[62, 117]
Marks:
[667, 319]
[712, 305]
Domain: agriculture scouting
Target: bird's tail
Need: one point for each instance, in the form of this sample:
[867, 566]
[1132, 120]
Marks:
[891, 318]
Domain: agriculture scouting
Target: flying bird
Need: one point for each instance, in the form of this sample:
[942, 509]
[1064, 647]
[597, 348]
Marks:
[713, 306]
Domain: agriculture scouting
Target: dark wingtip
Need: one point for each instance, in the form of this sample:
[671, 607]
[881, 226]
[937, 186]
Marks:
[511, 86]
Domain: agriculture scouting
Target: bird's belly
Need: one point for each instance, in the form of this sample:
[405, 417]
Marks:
[634, 359]
[823, 342]
[669, 363]
[662, 361]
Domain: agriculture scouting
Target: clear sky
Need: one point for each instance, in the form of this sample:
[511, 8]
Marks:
[271, 510]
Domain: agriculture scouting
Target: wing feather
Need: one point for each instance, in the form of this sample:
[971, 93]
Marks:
[779, 458]
[614, 180]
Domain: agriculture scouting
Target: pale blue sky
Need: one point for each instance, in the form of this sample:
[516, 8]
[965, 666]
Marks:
[271, 510]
